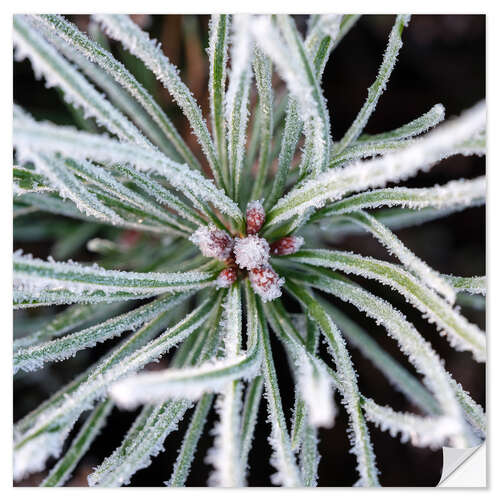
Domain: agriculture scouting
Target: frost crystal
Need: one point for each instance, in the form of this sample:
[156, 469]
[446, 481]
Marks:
[213, 242]
[266, 283]
[251, 252]
[255, 217]
[287, 245]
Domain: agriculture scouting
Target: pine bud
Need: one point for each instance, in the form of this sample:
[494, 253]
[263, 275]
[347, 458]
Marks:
[266, 283]
[287, 245]
[213, 242]
[227, 277]
[251, 252]
[255, 217]
[130, 237]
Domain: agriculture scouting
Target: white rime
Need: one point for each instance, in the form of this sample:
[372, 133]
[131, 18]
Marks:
[34, 444]
[416, 127]
[423, 432]
[461, 334]
[375, 91]
[34, 357]
[225, 454]
[55, 26]
[296, 72]
[58, 72]
[190, 383]
[140, 444]
[48, 138]
[421, 155]
[411, 262]
[123, 29]
[237, 95]
[68, 282]
[461, 193]
[419, 352]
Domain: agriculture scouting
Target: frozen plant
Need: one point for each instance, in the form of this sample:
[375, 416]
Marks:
[213, 246]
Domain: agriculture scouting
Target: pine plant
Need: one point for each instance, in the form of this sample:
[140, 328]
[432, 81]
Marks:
[234, 251]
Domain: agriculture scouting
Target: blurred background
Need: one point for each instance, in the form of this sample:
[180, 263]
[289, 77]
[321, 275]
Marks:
[442, 61]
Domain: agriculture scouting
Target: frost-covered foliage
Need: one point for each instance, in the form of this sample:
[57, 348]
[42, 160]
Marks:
[213, 248]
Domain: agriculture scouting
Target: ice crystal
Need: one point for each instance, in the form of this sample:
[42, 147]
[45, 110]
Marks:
[225, 455]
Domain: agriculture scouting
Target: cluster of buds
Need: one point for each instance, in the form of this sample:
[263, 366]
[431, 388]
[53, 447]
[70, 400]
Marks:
[248, 253]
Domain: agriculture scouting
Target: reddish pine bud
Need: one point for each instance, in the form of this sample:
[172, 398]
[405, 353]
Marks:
[213, 242]
[266, 283]
[255, 217]
[130, 237]
[287, 245]
[227, 277]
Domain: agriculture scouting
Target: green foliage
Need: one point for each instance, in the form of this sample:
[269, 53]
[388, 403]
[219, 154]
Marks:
[134, 194]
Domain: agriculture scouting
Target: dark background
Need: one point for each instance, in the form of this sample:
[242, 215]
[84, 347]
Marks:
[442, 61]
